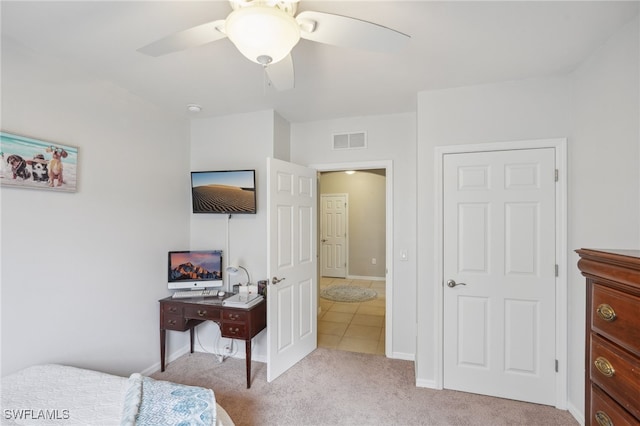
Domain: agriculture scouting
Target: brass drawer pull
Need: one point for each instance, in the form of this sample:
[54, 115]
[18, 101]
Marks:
[173, 309]
[603, 419]
[201, 313]
[604, 366]
[234, 316]
[606, 312]
[232, 331]
[172, 322]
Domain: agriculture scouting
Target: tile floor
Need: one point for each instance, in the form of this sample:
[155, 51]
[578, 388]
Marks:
[353, 327]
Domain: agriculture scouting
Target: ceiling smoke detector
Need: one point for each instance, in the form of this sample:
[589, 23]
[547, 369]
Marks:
[194, 108]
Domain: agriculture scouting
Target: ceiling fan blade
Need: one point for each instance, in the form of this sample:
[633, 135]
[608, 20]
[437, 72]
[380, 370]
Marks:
[281, 74]
[349, 32]
[192, 37]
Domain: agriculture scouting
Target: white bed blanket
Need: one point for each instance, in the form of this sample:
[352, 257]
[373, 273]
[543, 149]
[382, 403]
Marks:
[61, 395]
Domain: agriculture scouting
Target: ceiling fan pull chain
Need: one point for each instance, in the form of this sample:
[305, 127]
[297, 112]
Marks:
[265, 80]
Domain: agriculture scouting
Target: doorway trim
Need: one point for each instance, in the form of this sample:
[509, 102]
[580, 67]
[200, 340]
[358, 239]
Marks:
[560, 147]
[388, 166]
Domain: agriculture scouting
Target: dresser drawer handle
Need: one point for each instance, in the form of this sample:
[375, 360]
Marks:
[201, 313]
[232, 331]
[234, 316]
[172, 322]
[173, 309]
[603, 419]
[604, 366]
[606, 312]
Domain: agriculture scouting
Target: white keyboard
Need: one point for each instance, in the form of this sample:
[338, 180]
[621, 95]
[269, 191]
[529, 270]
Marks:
[194, 293]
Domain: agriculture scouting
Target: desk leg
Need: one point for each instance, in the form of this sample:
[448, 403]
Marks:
[248, 357]
[191, 333]
[163, 337]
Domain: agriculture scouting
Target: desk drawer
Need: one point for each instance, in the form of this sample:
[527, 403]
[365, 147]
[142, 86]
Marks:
[233, 330]
[169, 308]
[202, 312]
[615, 315]
[616, 372]
[606, 412]
[173, 322]
[240, 316]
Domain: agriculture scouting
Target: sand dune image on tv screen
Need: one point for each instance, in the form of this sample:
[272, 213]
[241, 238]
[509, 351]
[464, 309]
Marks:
[222, 199]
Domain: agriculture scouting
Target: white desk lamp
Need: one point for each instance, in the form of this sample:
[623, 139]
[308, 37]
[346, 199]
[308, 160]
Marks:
[234, 270]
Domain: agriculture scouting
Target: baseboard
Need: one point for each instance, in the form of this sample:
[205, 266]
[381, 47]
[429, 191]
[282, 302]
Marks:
[403, 356]
[575, 412]
[172, 357]
[363, 278]
[431, 384]
[238, 354]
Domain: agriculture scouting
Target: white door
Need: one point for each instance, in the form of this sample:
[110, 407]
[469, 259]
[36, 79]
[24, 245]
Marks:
[333, 235]
[291, 260]
[499, 259]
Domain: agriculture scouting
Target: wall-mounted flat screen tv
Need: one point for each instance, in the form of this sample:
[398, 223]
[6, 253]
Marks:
[224, 191]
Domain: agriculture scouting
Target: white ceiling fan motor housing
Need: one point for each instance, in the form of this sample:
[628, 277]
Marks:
[260, 31]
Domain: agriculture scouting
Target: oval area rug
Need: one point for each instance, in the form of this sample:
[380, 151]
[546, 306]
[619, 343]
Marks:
[348, 293]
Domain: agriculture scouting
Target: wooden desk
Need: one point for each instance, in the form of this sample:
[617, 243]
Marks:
[235, 323]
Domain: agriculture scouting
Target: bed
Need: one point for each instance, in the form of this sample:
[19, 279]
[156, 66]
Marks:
[55, 394]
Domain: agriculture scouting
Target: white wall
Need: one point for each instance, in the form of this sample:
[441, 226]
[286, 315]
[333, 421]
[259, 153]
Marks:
[390, 137]
[241, 141]
[597, 109]
[604, 164]
[82, 272]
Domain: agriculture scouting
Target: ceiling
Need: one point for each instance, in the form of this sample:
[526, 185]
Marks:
[452, 44]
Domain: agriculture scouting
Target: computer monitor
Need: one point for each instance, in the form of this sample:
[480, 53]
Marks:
[195, 269]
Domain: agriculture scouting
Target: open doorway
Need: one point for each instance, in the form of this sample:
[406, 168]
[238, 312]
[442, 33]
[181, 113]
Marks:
[353, 260]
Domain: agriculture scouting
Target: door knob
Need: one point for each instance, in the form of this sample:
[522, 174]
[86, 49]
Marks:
[452, 283]
[275, 280]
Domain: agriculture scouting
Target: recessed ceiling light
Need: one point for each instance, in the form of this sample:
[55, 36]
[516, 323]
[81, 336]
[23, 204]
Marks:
[194, 108]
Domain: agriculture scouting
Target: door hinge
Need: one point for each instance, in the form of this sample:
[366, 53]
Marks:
[556, 175]
[556, 365]
[557, 269]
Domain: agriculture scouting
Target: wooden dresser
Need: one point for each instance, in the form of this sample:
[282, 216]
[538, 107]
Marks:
[612, 379]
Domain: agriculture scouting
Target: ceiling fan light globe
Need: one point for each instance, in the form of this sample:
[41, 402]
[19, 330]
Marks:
[259, 31]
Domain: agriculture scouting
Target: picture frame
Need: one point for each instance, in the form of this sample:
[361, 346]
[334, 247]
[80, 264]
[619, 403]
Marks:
[37, 164]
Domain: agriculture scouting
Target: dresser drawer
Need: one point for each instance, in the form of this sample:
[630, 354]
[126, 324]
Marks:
[202, 312]
[606, 412]
[616, 372]
[616, 315]
[233, 330]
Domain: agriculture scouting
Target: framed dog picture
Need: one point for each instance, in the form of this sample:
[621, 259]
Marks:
[37, 164]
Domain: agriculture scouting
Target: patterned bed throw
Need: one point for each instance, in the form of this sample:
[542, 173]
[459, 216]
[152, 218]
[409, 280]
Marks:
[156, 402]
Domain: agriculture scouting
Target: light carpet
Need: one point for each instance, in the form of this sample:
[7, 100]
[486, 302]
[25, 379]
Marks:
[331, 387]
[348, 293]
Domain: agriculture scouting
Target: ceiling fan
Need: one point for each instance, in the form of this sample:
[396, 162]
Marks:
[265, 31]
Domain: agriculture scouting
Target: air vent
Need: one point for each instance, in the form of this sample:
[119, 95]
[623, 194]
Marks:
[355, 140]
